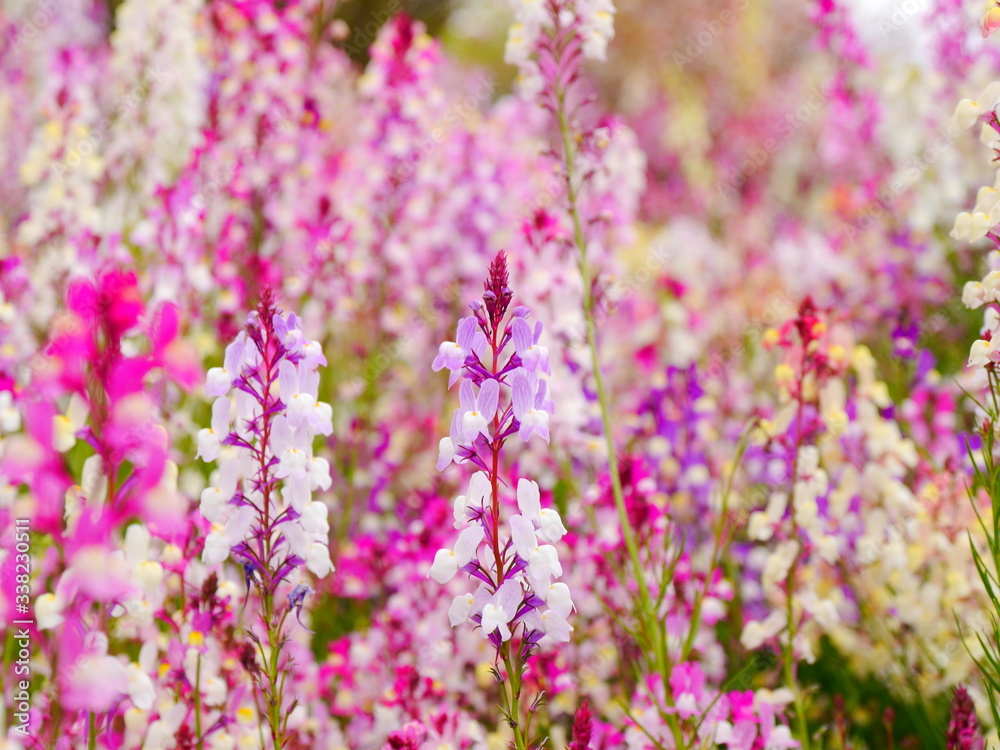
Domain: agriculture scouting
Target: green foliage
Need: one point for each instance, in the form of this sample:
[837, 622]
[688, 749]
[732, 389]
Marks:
[922, 720]
[333, 617]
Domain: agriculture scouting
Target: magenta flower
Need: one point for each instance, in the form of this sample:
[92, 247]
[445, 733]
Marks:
[582, 728]
[687, 682]
[410, 737]
[963, 728]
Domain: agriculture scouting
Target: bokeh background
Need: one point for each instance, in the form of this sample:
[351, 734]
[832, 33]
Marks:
[366, 161]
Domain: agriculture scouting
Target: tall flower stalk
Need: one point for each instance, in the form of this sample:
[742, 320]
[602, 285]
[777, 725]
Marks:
[96, 460]
[518, 604]
[549, 43]
[260, 503]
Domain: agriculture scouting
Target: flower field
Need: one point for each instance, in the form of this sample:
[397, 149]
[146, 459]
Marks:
[563, 374]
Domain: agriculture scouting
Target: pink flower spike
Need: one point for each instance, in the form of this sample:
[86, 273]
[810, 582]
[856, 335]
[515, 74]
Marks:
[582, 728]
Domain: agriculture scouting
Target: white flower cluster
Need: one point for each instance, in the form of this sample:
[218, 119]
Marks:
[158, 94]
[594, 20]
[531, 596]
[597, 26]
[975, 294]
[981, 222]
[976, 224]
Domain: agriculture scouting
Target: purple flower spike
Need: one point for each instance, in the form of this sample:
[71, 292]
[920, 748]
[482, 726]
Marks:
[515, 560]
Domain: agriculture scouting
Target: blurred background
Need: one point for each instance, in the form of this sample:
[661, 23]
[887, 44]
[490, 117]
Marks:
[751, 154]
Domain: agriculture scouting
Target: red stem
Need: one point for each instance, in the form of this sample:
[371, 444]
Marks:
[495, 476]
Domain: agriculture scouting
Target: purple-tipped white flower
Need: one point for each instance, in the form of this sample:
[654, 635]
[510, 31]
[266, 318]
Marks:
[461, 609]
[219, 380]
[452, 354]
[290, 334]
[528, 400]
[210, 438]
[542, 559]
[238, 520]
[533, 356]
[473, 502]
[557, 597]
[448, 445]
[299, 386]
[546, 522]
[555, 625]
[478, 410]
[446, 453]
[447, 562]
[501, 608]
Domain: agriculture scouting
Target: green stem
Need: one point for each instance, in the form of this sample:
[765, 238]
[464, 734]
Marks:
[588, 310]
[652, 629]
[197, 703]
[514, 668]
[720, 548]
[789, 650]
[274, 696]
[92, 732]
[800, 712]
